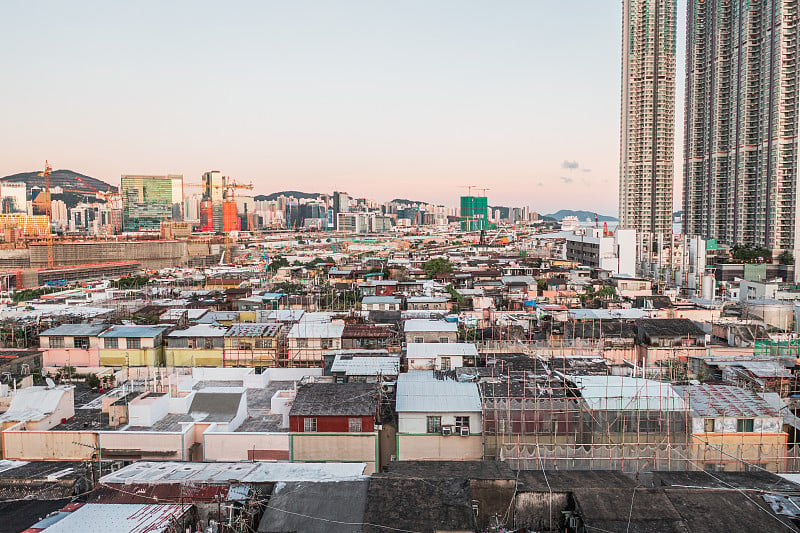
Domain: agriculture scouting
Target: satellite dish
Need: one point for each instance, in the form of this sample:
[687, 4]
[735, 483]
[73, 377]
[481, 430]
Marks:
[50, 382]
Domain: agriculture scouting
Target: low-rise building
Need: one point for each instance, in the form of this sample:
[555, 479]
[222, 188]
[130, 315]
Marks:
[439, 418]
[335, 422]
[732, 427]
[426, 330]
[133, 346]
[426, 303]
[440, 356]
[198, 345]
[381, 303]
[252, 345]
[76, 345]
[308, 341]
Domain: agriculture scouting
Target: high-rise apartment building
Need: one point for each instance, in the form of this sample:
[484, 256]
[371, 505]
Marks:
[648, 115]
[213, 186]
[740, 161]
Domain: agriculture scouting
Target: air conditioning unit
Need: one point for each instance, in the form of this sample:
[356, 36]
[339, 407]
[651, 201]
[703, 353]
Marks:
[447, 430]
[465, 432]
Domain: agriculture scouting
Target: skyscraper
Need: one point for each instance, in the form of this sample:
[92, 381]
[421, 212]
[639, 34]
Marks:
[648, 115]
[148, 200]
[740, 161]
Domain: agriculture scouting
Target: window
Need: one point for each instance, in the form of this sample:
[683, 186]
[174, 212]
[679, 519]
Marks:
[462, 422]
[82, 343]
[444, 340]
[208, 343]
[434, 424]
[325, 343]
[445, 363]
[302, 343]
[709, 425]
[309, 425]
[354, 425]
[134, 344]
[418, 339]
[111, 343]
[744, 425]
[56, 342]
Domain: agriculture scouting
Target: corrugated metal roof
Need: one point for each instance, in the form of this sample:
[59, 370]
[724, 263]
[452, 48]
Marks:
[157, 472]
[257, 329]
[316, 330]
[200, 330]
[380, 300]
[622, 393]
[433, 349]
[366, 365]
[134, 331]
[425, 325]
[725, 400]
[419, 391]
[75, 330]
[120, 518]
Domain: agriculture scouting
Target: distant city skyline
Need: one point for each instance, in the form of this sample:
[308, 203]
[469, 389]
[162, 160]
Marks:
[520, 97]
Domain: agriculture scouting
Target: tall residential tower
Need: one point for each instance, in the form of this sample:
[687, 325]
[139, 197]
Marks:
[740, 160]
[648, 115]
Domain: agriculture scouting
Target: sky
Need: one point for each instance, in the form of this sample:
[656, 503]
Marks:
[415, 99]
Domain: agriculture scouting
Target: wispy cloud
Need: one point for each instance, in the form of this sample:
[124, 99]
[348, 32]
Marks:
[566, 179]
[570, 165]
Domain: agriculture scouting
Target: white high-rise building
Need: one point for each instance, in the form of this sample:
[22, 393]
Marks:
[648, 115]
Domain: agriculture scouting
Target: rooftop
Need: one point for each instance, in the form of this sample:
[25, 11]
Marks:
[75, 330]
[134, 331]
[725, 400]
[425, 325]
[420, 391]
[262, 329]
[335, 399]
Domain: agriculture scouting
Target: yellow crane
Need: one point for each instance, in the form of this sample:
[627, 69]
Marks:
[48, 210]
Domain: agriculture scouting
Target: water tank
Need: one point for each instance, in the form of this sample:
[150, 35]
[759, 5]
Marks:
[708, 287]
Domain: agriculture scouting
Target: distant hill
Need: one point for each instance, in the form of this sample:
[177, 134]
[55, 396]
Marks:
[404, 201]
[582, 215]
[61, 178]
[296, 194]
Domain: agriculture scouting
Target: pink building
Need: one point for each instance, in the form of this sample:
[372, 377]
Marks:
[76, 345]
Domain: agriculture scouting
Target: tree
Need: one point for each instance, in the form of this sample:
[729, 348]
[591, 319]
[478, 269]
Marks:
[436, 266]
[277, 263]
[786, 258]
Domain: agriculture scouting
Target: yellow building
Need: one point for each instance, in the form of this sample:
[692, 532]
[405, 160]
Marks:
[252, 345]
[132, 346]
[733, 428]
[199, 345]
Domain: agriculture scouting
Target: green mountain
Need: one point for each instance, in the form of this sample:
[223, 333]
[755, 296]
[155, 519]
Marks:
[61, 178]
[582, 215]
[296, 194]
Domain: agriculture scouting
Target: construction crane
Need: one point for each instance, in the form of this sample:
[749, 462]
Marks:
[48, 211]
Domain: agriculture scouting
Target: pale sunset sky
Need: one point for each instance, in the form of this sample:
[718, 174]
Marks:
[381, 99]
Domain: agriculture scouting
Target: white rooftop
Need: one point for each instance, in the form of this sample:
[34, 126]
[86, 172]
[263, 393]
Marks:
[431, 350]
[415, 325]
[316, 330]
[366, 365]
[120, 518]
[621, 393]
[200, 330]
[245, 472]
[34, 403]
[418, 391]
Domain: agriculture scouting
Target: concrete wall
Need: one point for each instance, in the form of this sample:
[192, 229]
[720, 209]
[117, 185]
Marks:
[152, 445]
[71, 357]
[132, 357]
[219, 446]
[193, 357]
[344, 447]
[439, 448]
[418, 422]
[48, 445]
